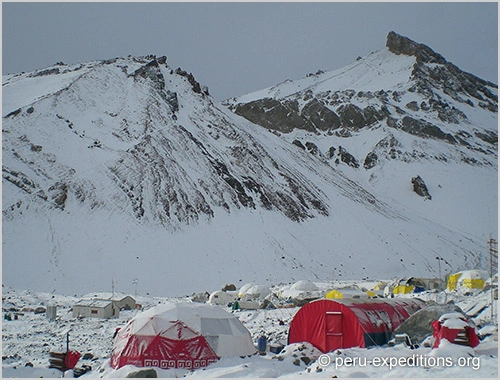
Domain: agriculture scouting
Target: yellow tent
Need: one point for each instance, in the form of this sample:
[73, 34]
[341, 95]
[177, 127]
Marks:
[403, 289]
[337, 294]
[470, 279]
[452, 281]
[380, 286]
[370, 293]
[332, 294]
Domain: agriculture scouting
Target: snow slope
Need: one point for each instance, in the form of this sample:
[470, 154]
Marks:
[128, 166]
[389, 116]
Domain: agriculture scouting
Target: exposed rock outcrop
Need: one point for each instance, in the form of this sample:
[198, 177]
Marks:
[420, 187]
[436, 98]
[403, 45]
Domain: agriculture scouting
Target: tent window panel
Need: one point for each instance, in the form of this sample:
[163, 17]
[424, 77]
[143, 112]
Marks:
[237, 326]
[215, 326]
[213, 342]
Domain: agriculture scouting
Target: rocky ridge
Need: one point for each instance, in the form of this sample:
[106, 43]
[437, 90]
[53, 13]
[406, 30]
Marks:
[170, 169]
[432, 101]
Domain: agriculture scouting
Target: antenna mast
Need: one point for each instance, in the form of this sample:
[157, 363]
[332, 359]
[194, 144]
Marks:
[493, 249]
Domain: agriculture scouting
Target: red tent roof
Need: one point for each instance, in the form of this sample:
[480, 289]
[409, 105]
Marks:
[343, 323]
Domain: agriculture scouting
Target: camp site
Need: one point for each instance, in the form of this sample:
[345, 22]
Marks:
[407, 327]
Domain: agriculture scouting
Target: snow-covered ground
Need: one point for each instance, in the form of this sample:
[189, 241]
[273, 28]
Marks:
[28, 338]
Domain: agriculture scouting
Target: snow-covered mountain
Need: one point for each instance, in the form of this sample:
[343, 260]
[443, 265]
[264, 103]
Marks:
[399, 113]
[126, 173]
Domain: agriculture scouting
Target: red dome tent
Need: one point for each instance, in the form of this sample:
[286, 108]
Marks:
[342, 323]
[180, 335]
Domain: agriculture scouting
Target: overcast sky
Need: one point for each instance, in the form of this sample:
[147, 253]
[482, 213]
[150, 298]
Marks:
[237, 48]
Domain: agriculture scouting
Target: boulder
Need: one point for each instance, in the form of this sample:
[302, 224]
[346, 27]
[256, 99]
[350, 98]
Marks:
[40, 310]
[142, 373]
[420, 187]
[370, 160]
[230, 287]
[418, 326]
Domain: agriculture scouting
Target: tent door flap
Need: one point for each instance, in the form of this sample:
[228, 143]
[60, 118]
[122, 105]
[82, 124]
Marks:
[334, 329]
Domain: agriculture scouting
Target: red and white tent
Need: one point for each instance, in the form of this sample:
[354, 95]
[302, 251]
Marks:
[180, 335]
[343, 323]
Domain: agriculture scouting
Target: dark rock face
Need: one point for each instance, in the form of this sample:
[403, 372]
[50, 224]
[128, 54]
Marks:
[487, 136]
[59, 193]
[412, 106]
[312, 148]
[23, 182]
[435, 86]
[194, 83]
[272, 114]
[352, 117]
[319, 116]
[46, 72]
[171, 99]
[420, 187]
[446, 76]
[348, 158]
[370, 160]
[299, 144]
[423, 128]
[152, 71]
[403, 45]
[331, 152]
[372, 115]
[13, 113]
[284, 116]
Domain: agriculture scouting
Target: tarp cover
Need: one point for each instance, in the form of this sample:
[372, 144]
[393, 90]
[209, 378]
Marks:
[418, 326]
[71, 359]
[449, 326]
[180, 335]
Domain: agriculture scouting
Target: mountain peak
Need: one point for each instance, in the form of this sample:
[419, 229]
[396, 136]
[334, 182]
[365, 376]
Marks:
[398, 44]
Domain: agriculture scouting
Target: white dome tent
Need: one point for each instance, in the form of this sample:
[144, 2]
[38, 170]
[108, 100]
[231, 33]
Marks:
[253, 291]
[180, 335]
